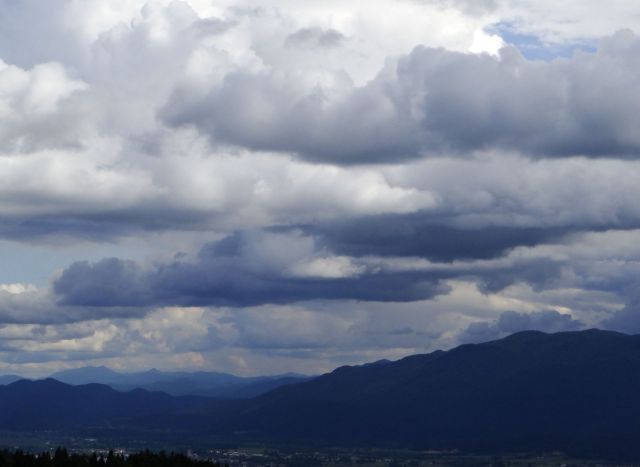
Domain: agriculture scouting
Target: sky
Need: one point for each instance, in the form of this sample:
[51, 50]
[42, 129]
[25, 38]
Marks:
[261, 187]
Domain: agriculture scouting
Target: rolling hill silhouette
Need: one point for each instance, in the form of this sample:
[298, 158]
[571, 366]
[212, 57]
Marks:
[577, 392]
[179, 383]
[50, 404]
[574, 391]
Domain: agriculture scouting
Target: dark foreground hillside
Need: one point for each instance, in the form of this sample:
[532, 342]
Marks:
[576, 392]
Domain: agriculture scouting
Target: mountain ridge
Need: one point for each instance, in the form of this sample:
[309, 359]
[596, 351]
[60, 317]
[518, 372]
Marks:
[565, 391]
[574, 392]
[178, 383]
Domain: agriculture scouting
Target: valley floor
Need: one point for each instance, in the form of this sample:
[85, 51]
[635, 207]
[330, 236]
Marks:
[261, 456]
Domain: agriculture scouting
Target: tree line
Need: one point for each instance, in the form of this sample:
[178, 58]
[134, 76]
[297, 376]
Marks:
[62, 458]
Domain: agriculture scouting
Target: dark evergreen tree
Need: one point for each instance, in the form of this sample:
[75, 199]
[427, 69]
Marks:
[62, 458]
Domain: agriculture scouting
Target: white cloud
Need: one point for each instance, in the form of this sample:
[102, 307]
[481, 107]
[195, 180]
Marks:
[36, 107]
[89, 163]
[17, 288]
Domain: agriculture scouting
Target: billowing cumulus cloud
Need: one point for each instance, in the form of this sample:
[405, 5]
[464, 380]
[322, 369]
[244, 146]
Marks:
[261, 187]
[39, 107]
[432, 101]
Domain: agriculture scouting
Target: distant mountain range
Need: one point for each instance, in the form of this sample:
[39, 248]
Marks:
[207, 384]
[577, 392]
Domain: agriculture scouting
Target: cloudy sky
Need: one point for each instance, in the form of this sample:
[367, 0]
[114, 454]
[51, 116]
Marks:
[268, 186]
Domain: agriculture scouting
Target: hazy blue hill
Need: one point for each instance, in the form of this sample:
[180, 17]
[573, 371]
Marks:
[207, 384]
[244, 388]
[105, 375]
[51, 404]
[86, 375]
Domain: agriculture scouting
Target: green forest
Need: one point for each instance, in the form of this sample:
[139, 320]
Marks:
[62, 458]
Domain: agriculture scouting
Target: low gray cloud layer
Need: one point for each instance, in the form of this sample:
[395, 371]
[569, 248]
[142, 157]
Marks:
[422, 235]
[240, 271]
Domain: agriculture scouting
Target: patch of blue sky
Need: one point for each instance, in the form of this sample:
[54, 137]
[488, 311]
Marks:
[533, 47]
[35, 264]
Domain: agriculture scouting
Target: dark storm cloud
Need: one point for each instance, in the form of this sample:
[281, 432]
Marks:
[539, 274]
[434, 102]
[226, 284]
[510, 322]
[37, 228]
[421, 235]
[111, 281]
[244, 269]
[101, 226]
[226, 274]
